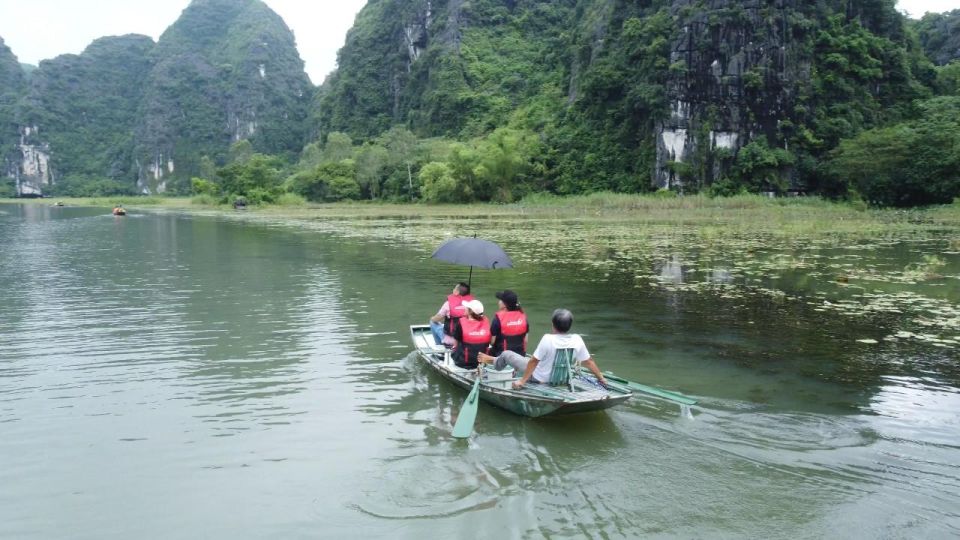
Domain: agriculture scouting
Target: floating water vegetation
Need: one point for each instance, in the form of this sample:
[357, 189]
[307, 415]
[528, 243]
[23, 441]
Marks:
[900, 265]
[926, 269]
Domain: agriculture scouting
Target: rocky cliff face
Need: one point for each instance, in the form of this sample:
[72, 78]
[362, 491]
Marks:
[736, 75]
[77, 115]
[11, 74]
[666, 90]
[365, 96]
[226, 71]
[940, 36]
[418, 63]
[139, 113]
[12, 84]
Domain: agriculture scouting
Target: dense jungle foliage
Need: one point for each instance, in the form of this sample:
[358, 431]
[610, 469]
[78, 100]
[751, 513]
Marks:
[130, 116]
[12, 81]
[939, 35]
[492, 100]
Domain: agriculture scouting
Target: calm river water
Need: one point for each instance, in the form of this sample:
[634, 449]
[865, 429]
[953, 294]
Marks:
[174, 376]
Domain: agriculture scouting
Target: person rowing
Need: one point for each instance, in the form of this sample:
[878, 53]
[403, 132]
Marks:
[537, 368]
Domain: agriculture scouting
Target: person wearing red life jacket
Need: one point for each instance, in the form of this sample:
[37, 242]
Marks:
[509, 327]
[442, 324]
[472, 335]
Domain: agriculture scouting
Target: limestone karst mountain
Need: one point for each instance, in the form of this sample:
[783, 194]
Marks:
[618, 95]
[130, 114]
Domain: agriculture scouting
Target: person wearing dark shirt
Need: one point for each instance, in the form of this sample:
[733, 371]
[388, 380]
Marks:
[509, 327]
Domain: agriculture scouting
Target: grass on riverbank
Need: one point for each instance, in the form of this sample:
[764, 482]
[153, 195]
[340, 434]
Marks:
[794, 215]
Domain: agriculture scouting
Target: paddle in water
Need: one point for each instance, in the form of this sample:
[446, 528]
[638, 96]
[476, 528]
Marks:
[652, 390]
[468, 413]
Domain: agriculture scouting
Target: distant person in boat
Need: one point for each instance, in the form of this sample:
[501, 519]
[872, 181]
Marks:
[118, 210]
[537, 369]
[442, 324]
[509, 327]
[472, 335]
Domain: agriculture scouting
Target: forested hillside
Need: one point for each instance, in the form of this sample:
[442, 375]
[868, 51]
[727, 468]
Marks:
[939, 34]
[456, 100]
[12, 80]
[226, 71]
[629, 96]
[129, 115]
[81, 111]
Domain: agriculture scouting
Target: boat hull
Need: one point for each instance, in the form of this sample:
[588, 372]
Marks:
[533, 400]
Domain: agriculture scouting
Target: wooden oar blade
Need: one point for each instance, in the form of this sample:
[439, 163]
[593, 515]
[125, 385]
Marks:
[468, 413]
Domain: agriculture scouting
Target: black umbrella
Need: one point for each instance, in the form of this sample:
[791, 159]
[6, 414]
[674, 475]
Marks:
[473, 252]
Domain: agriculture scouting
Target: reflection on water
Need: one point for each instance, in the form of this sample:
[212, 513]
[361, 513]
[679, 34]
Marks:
[159, 373]
[671, 271]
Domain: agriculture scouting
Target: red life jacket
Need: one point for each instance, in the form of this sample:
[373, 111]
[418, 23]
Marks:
[455, 303]
[513, 332]
[475, 332]
[476, 339]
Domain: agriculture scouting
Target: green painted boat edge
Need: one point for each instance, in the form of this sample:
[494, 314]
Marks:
[659, 392]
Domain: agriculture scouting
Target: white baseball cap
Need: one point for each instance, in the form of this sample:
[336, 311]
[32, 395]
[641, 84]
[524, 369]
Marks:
[475, 306]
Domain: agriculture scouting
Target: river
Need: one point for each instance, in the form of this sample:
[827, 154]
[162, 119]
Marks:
[167, 375]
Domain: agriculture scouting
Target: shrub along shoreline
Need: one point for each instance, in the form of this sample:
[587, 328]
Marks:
[799, 215]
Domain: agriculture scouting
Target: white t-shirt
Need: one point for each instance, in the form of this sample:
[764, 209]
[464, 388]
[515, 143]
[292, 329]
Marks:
[547, 351]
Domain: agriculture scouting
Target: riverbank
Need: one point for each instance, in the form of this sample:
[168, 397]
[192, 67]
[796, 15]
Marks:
[730, 215]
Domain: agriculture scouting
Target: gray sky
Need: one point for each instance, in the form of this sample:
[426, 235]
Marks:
[40, 29]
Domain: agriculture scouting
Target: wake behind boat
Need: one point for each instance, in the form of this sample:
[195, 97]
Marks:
[583, 394]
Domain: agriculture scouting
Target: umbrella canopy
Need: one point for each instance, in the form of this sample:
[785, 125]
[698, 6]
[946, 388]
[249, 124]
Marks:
[473, 252]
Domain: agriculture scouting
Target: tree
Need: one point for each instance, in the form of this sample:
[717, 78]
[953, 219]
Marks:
[311, 157]
[506, 158]
[948, 79]
[761, 168]
[207, 168]
[328, 182]
[257, 179]
[370, 162]
[200, 186]
[401, 145]
[338, 148]
[911, 163]
[240, 152]
[438, 183]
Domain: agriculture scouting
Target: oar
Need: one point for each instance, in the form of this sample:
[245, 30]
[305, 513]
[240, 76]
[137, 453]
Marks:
[468, 413]
[652, 390]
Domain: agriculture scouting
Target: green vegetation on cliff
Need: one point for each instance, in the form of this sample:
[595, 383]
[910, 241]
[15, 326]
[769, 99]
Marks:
[630, 96]
[494, 100]
[85, 107]
[939, 34]
[227, 70]
[131, 116]
[12, 82]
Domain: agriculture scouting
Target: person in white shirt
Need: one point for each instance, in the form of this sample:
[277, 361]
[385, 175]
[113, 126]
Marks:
[538, 367]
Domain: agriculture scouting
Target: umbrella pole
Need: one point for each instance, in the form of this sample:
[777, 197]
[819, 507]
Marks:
[470, 279]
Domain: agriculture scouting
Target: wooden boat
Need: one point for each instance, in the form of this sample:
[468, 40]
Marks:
[533, 399]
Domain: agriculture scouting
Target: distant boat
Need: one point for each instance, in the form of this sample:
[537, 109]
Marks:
[119, 211]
